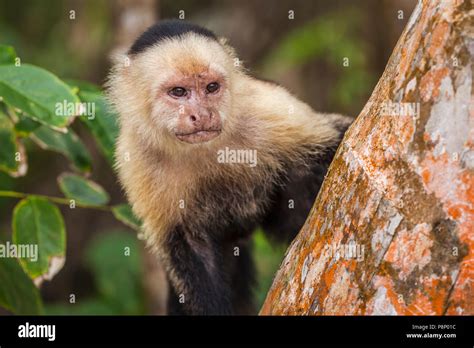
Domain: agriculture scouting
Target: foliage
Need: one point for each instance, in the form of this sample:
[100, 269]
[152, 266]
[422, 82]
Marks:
[68, 144]
[17, 293]
[84, 191]
[104, 128]
[36, 221]
[36, 105]
[268, 257]
[123, 212]
[36, 92]
[115, 261]
[332, 39]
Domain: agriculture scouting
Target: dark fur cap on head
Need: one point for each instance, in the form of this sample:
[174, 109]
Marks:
[165, 30]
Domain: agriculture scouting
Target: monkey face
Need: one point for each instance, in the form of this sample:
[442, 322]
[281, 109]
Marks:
[197, 101]
[177, 93]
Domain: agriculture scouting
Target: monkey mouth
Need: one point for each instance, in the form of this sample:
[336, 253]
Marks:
[199, 136]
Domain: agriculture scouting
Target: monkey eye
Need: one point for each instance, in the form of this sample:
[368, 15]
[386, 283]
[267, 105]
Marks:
[212, 87]
[177, 92]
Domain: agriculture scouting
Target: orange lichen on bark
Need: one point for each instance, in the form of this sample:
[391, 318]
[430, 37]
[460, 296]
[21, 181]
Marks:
[400, 190]
[410, 250]
[439, 36]
[431, 81]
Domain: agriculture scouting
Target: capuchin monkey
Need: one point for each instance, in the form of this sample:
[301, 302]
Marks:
[206, 154]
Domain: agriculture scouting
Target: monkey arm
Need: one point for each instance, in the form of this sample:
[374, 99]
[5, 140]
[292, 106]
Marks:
[291, 202]
[199, 285]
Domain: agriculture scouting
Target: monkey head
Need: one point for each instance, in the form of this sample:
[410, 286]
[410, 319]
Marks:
[177, 90]
[195, 99]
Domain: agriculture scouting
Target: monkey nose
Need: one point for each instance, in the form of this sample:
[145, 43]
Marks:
[199, 119]
[196, 121]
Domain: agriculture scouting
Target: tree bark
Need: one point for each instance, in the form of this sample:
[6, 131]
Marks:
[392, 229]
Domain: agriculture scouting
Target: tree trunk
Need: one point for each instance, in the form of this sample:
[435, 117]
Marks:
[392, 230]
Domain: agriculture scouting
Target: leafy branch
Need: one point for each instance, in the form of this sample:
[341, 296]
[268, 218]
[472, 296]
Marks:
[58, 200]
[39, 106]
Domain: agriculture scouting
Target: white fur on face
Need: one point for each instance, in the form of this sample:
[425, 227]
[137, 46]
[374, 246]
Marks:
[134, 90]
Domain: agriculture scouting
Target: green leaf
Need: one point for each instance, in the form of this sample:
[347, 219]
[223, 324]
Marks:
[5, 120]
[69, 144]
[103, 126]
[37, 92]
[36, 221]
[9, 146]
[116, 261]
[25, 125]
[124, 213]
[10, 149]
[83, 86]
[18, 294]
[7, 54]
[82, 190]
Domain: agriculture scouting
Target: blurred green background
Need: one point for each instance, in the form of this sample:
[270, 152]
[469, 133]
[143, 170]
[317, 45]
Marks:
[330, 54]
